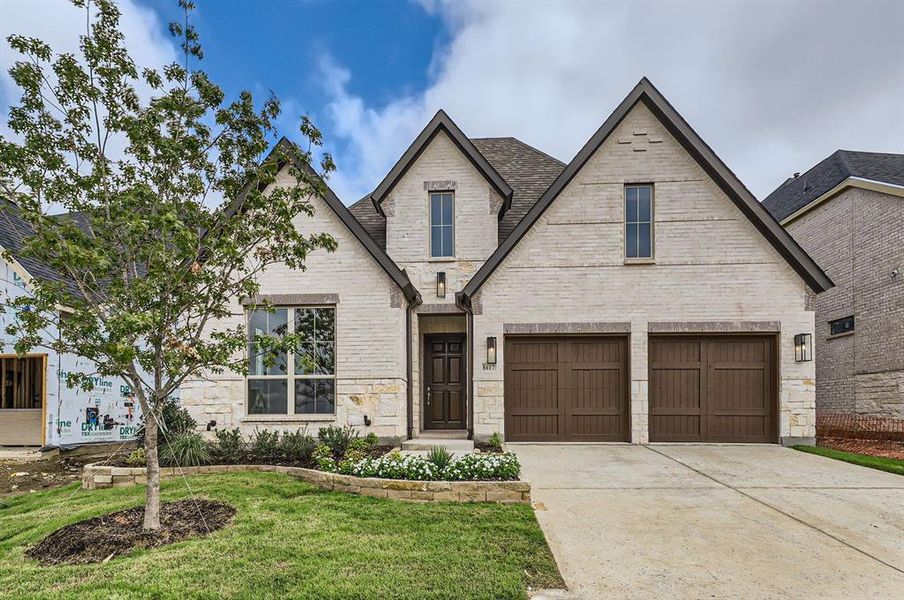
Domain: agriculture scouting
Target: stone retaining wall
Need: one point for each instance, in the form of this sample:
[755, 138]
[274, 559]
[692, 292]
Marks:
[508, 492]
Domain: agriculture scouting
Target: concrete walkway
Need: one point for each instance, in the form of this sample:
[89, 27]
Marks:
[695, 521]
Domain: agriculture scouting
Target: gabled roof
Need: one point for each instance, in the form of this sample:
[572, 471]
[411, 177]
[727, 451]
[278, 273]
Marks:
[799, 191]
[528, 170]
[379, 254]
[645, 92]
[442, 122]
[13, 231]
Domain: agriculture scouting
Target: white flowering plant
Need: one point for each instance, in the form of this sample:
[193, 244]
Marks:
[465, 467]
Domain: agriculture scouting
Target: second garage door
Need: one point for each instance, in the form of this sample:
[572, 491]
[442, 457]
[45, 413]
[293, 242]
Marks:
[566, 388]
[712, 389]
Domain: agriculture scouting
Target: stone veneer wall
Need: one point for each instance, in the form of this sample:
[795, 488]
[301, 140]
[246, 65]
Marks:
[505, 492]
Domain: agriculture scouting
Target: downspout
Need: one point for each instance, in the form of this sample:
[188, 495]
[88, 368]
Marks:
[413, 303]
[464, 303]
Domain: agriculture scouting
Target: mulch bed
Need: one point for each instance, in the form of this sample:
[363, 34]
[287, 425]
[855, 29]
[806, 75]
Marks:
[101, 538]
[885, 448]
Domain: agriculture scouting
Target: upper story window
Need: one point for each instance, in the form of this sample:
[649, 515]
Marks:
[299, 382]
[638, 221]
[839, 326]
[442, 224]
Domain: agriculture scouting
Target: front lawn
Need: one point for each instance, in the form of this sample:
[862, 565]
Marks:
[892, 465]
[288, 540]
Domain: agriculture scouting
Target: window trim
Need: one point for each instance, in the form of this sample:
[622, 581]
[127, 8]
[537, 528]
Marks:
[291, 375]
[638, 260]
[430, 225]
[850, 331]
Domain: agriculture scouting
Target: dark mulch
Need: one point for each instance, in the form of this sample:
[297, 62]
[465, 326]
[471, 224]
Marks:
[488, 448]
[884, 448]
[102, 538]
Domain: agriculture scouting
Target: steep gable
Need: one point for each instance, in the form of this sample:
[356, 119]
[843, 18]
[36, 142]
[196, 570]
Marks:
[710, 164]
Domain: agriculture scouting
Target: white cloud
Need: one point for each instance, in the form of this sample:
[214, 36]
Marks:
[772, 87]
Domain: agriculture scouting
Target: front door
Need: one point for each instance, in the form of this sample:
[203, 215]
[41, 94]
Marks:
[444, 365]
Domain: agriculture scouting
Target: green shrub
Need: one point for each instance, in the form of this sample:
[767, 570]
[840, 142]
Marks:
[174, 421]
[297, 446]
[137, 458]
[495, 441]
[323, 458]
[337, 439]
[187, 450]
[371, 440]
[265, 447]
[230, 446]
[440, 458]
[352, 457]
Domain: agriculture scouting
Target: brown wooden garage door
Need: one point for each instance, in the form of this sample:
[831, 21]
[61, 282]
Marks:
[566, 389]
[712, 389]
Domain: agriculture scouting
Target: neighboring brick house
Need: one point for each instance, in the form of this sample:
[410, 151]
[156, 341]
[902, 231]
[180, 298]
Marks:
[848, 213]
[637, 293]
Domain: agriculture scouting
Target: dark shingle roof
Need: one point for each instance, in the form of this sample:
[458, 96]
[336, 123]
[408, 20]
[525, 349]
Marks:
[13, 231]
[796, 192]
[527, 170]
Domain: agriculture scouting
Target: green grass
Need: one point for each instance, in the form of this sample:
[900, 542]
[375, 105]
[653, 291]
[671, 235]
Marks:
[892, 465]
[288, 540]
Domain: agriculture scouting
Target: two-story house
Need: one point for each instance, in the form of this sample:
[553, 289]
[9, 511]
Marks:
[637, 293]
[847, 212]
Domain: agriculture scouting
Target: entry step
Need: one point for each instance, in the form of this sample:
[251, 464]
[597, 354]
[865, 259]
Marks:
[427, 443]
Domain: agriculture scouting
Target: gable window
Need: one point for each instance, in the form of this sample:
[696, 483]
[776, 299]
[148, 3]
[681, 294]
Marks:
[300, 382]
[839, 326]
[638, 222]
[442, 224]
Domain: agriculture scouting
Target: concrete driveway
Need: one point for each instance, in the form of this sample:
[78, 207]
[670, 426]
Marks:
[695, 521]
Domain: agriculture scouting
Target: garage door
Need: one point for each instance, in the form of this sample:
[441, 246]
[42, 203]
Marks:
[712, 389]
[566, 389]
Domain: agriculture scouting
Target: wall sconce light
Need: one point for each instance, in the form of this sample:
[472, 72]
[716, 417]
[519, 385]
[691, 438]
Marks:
[441, 285]
[491, 350]
[803, 347]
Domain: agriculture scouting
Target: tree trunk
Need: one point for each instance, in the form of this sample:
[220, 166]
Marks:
[152, 498]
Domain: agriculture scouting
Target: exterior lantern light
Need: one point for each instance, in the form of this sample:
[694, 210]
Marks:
[803, 347]
[491, 350]
[441, 285]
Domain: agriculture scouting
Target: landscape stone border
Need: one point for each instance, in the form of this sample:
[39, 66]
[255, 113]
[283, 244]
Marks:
[95, 476]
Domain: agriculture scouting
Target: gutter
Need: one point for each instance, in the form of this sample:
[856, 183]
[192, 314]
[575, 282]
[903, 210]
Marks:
[464, 302]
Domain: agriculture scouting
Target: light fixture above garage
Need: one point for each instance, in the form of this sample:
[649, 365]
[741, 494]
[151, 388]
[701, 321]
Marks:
[441, 285]
[491, 350]
[803, 347]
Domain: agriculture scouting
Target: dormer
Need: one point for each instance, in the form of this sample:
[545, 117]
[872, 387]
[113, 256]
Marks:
[442, 202]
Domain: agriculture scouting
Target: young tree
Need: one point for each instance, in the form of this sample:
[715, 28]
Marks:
[150, 258]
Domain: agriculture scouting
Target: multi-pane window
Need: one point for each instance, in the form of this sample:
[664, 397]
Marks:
[299, 382]
[442, 224]
[839, 326]
[638, 221]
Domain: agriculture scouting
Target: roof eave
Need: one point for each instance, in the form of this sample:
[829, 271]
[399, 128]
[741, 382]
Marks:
[644, 91]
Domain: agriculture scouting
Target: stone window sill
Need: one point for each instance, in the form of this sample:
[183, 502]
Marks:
[840, 335]
[442, 259]
[287, 418]
[640, 261]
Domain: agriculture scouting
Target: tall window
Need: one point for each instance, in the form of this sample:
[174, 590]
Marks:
[442, 224]
[299, 382]
[638, 221]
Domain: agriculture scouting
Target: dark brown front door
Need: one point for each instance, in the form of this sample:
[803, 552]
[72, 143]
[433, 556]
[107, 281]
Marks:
[444, 363]
[712, 389]
[566, 388]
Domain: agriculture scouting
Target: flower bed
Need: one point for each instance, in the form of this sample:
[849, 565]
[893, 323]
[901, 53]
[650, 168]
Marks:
[509, 492]
[465, 467]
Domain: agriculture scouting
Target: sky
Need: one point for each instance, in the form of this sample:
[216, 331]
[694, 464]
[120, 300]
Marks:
[772, 87]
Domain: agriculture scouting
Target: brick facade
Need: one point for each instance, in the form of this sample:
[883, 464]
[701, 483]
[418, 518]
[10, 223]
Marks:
[857, 237]
[710, 265]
